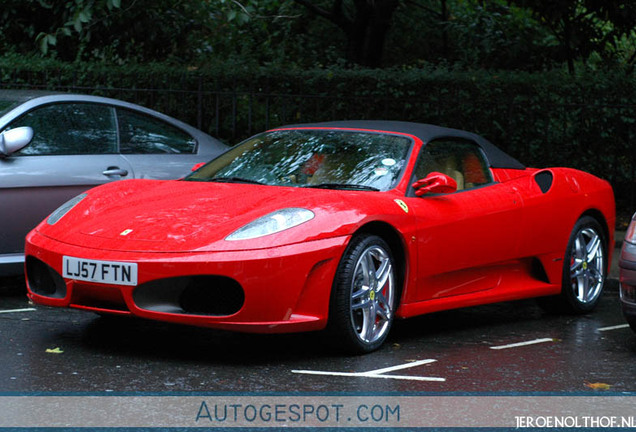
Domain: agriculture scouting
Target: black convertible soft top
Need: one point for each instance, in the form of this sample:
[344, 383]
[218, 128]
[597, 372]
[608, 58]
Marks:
[425, 132]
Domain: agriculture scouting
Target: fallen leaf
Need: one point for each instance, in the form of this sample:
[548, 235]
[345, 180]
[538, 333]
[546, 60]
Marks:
[597, 386]
[54, 351]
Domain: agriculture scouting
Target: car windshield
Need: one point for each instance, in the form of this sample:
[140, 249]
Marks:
[7, 105]
[332, 159]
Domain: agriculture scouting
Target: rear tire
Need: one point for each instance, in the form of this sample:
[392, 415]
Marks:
[584, 270]
[363, 295]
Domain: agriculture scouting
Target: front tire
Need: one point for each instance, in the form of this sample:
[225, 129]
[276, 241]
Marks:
[584, 269]
[363, 295]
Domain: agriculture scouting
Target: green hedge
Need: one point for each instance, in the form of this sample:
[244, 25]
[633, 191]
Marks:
[543, 119]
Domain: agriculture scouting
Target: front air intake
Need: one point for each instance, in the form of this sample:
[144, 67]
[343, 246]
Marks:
[191, 295]
[43, 280]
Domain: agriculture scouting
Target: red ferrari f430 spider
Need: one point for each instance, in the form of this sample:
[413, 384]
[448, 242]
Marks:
[344, 226]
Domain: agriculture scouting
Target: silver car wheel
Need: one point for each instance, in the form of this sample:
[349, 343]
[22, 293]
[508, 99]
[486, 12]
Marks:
[587, 270]
[372, 292]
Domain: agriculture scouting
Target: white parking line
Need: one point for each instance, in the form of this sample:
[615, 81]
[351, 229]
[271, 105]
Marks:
[379, 373]
[399, 367]
[17, 310]
[616, 327]
[520, 344]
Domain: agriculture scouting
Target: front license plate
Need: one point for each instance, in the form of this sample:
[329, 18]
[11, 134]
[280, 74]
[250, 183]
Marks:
[106, 272]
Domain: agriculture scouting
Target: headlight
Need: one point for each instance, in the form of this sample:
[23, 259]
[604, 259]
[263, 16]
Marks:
[630, 235]
[64, 208]
[272, 223]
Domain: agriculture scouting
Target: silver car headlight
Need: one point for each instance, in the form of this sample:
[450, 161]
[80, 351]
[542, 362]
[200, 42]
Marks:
[272, 223]
[64, 208]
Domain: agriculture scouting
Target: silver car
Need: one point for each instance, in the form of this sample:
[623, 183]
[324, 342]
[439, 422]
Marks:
[54, 146]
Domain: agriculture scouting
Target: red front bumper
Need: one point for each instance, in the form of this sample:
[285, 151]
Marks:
[286, 289]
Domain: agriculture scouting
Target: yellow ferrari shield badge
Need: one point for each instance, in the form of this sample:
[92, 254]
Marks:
[402, 205]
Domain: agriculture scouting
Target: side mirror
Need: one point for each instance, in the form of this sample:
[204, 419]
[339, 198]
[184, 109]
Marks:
[197, 166]
[15, 139]
[435, 182]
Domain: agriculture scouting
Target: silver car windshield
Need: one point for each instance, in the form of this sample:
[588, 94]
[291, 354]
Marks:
[7, 105]
[332, 159]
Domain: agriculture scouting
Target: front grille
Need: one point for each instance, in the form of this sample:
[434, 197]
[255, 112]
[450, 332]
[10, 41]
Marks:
[191, 295]
[98, 297]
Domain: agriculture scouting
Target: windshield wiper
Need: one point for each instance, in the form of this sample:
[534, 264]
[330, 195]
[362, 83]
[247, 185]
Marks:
[343, 186]
[233, 180]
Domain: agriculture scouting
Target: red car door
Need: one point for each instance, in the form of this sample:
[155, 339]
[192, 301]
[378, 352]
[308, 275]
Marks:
[465, 239]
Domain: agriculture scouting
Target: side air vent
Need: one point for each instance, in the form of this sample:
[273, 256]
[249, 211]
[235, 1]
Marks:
[544, 180]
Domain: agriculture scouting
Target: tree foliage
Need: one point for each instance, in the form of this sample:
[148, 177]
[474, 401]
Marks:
[583, 27]
[112, 30]
[51, 24]
[496, 34]
[470, 34]
[364, 23]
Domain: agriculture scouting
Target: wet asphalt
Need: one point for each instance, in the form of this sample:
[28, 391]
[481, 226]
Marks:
[507, 347]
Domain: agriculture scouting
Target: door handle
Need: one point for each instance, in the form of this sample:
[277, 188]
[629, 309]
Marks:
[115, 171]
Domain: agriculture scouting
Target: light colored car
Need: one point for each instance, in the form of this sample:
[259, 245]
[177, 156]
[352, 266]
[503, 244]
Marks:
[56, 145]
[627, 274]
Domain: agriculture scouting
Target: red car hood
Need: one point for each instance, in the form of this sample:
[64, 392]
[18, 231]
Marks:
[183, 216]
